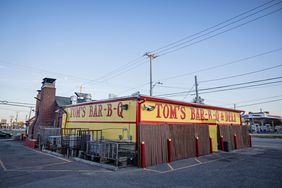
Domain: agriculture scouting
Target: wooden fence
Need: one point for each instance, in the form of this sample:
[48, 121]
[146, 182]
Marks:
[183, 140]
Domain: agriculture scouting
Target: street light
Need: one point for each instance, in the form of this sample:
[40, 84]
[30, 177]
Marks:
[156, 83]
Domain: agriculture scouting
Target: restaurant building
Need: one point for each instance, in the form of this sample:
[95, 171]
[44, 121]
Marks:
[163, 130]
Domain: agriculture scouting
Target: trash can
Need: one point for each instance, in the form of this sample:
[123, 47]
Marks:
[226, 146]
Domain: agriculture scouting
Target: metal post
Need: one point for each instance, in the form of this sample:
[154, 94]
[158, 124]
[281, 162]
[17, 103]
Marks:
[222, 143]
[196, 89]
[197, 147]
[143, 154]
[211, 150]
[250, 140]
[235, 141]
[151, 77]
[169, 151]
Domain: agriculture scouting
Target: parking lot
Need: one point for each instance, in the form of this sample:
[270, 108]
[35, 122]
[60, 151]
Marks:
[259, 166]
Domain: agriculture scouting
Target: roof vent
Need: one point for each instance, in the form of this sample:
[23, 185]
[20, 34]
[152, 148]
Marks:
[83, 97]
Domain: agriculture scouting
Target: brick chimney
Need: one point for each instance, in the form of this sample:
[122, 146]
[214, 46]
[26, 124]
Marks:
[45, 105]
[37, 102]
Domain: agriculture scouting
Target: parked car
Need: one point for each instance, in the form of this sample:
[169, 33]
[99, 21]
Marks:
[255, 128]
[268, 126]
[5, 135]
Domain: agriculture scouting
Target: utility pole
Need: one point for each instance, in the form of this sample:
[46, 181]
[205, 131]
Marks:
[17, 115]
[196, 89]
[81, 88]
[151, 56]
[234, 106]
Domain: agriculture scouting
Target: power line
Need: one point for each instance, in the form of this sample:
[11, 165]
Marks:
[255, 85]
[8, 109]
[238, 75]
[172, 87]
[227, 30]
[221, 28]
[137, 62]
[209, 68]
[244, 83]
[227, 77]
[245, 101]
[120, 70]
[253, 104]
[135, 88]
[224, 86]
[258, 99]
[214, 26]
[18, 105]
[4, 101]
[188, 92]
[224, 64]
[38, 70]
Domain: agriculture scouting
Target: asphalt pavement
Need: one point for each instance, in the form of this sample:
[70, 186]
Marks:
[259, 166]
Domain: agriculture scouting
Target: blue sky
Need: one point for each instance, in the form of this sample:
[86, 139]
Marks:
[78, 42]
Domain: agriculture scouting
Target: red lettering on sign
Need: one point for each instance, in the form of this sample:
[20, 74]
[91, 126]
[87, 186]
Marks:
[217, 115]
[173, 114]
[193, 115]
[166, 111]
[209, 114]
[91, 111]
[169, 111]
[100, 108]
[120, 110]
[83, 111]
[197, 114]
[183, 114]
[158, 106]
[77, 112]
[95, 111]
[222, 116]
[202, 114]
[110, 111]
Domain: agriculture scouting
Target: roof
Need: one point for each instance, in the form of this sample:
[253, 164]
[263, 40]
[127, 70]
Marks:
[63, 101]
[143, 97]
[188, 103]
[260, 115]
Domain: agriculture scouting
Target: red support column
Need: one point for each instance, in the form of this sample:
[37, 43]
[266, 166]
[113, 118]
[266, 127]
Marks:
[211, 150]
[250, 140]
[222, 143]
[143, 154]
[197, 147]
[169, 151]
[235, 141]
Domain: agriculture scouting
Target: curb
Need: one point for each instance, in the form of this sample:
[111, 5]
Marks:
[105, 166]
[52, 153]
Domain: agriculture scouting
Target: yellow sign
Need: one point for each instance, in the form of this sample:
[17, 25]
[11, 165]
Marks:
[120, 111]
[165, 112]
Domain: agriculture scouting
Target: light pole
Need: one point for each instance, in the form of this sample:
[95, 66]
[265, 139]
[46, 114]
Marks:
[196, 89]
[156, 83]
[151, 56]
